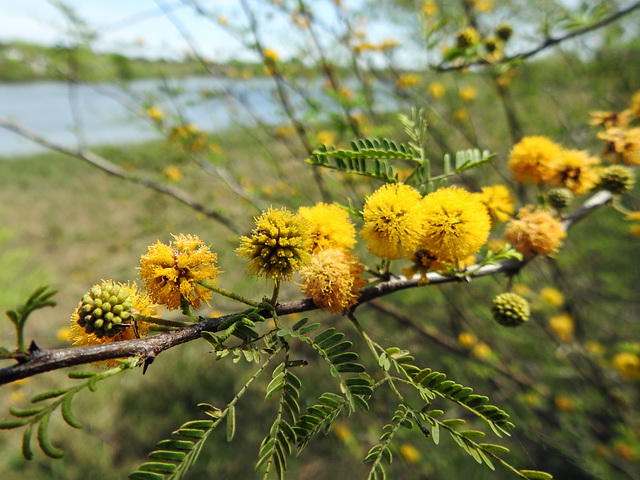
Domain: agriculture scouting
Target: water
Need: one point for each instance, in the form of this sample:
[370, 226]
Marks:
[107, 114]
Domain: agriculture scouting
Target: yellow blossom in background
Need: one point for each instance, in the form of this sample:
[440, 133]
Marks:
[142, 305]
[595, 348]
[575, 170]
[329, 227]
[521, 289]
[155, 114]
[173, 173]
[628, 364]
[467, 340]
[498, 202]
[634, 217]
[388, 44]
[607, 119]
[467, 37]
[285, 131]
[410, 453]
[622, 143]
[506, 79]
[563, 403]
[279, 245]
[341, 431]
[326, 137]
[482, 351]
[461, 115]
[222, 20]
[551, 297]
[392, 221]
[430, 8]
[534, 159]
[483, 6]
[332, 280]
[407, 80]
[535, 231]
[496, 244]
[270, 55]
[436, 90]
[171, 272]
[467, 93]
[456, 224]
[562, 327]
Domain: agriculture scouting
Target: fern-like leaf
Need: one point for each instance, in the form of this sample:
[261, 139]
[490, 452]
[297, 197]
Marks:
[318, 418]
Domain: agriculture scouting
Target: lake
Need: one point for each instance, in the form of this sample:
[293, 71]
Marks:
[106, 114]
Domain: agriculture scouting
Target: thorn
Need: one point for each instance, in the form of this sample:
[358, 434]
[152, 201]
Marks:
[148, 361]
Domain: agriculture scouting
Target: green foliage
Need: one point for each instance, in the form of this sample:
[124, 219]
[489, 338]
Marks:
[40, 415]
[41, 298]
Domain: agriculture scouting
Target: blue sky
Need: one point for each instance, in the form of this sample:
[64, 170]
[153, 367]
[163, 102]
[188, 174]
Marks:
[133, 26]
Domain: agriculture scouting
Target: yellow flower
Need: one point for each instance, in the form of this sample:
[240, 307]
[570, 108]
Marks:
[460, 115]
[270, 55]
[552, 297]
[410, 453]
[623, 143]
[563, 403]
[155, 114]
[333, 280]
[634, 216]
[170, 272]
[482, 351]
[521, 289]
[628, 364]
[222, 20]
[407, 80]
[467, 340]
[483, 5]
[534, 158]
[392, 221]
[535, 231]
[173, 173]
[498, 202]
[430, 8]
[330, 227]
[326, 137]
[456, 224]
[142, 305]
[595, 348]
[562, 327]
[467, 93]
[436, 90]
[423, 261]
[574, 169]
[279, 245]
[467, 37]
[63, 334]
[608, 119]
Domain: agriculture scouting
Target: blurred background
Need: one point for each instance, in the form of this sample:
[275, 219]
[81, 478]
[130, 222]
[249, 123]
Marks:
[225, 101]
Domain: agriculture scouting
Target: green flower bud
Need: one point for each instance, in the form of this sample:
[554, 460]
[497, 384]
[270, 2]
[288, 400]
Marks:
[617, 179]
[104, 311]
[510, 309]
[560, 197]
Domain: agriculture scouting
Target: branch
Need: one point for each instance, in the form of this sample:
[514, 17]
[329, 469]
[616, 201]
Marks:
[44, 360]
[549, 42]
[113, 169]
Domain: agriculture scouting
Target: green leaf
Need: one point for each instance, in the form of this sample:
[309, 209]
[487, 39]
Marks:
[145, 476]
[51, 394]
[536, 474]
[167, 456]
[26, 412]
[299, 324]
[310, 328]
[490, 447]
[210, 410]
[67, 415]
[27, 452]
[231, 422]
[43, 439]
[158, 467]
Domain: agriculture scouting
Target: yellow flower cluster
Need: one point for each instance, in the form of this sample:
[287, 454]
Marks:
[189, 138]
[621, 137]
[541, 161]
[171, 272]
[407, 80]
[535, 232]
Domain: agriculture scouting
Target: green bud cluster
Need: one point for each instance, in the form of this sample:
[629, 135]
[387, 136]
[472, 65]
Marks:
[105, 310]
[617, 179]
[560, 197]
[510, 309]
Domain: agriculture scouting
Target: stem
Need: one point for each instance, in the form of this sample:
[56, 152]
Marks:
[276, 292]
[162, 321]
[226, 293]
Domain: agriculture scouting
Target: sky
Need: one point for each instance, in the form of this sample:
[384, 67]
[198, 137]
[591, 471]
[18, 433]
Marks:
[129, 26]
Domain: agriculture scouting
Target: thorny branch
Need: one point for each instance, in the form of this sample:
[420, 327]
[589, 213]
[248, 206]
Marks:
[44, 360]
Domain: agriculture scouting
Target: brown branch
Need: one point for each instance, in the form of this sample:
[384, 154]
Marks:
[44, 360]
[549, 42]
[113, 169]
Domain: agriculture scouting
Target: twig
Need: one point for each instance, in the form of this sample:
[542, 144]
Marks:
[113, 169]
